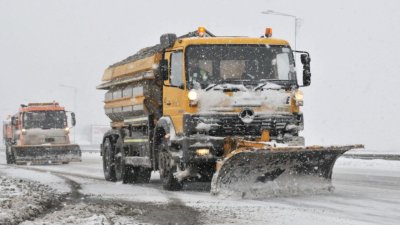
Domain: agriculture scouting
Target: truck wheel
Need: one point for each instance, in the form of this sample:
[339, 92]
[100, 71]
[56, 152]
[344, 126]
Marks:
[136, 175]
[108, 161]
[125, 173]
[142, 174]
[129, 175]
[167, 172]
[119, 159]
[8, 156]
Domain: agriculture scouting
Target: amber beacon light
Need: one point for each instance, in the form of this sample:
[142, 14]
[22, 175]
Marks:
[268, 32]
[201, 31]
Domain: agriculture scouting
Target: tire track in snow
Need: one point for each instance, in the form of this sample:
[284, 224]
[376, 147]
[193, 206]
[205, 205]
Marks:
[111, 211]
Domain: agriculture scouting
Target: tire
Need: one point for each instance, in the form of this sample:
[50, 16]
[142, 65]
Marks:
[127, 173]
[119, 159]
[130, 175]
[206, 171]
[167, 172]
[136, 175]
[142, 174]
[10, 158]
[108, 160]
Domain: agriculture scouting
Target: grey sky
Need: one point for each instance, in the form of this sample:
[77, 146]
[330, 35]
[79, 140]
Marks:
[353, 44]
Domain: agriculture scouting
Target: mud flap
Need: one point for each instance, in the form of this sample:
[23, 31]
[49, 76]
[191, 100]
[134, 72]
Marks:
[272, 170]
[46, 154]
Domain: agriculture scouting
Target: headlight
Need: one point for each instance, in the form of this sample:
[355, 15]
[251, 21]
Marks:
[192, 95]
[23, 131]
[202, 151]
[66, 130]
[298, 97]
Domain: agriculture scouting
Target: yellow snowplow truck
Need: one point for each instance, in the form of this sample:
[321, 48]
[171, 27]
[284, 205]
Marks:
[206, 108]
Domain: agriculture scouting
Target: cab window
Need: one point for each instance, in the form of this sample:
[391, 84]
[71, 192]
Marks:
[176, 69]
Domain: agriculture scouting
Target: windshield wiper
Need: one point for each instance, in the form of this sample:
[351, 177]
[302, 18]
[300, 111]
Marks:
[268, 82]
[210, 87]
[225, 87]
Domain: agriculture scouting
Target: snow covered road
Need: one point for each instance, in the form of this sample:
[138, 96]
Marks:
[366, 192]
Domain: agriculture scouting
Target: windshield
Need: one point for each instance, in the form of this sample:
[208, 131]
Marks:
[252, 64]
[45, 119]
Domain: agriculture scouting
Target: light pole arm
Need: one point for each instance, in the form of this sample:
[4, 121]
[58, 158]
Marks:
[272, 12]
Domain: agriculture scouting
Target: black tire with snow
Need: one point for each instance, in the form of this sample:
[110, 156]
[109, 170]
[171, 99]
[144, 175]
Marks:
[108, 160]
[167, 172]
[142, 174]
[126, 173]
[9, 155]
[8, 159]
[120, 168]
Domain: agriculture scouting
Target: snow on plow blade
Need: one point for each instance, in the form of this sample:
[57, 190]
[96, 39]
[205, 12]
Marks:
[276, 171]
[45, 154]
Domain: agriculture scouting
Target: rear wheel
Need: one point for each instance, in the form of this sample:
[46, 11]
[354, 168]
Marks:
[108, 160]
[120, 168]
[127, 173]
[130, 175]
[136, 175]
[8, 156]
[142, 174]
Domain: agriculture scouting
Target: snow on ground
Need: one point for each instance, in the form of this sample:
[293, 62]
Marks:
[21, 200]
[366, 192]
[45, 178]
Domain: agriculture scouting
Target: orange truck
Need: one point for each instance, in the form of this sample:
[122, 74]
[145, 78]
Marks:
[39, 134]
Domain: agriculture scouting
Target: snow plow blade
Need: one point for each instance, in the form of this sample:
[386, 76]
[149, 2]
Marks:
[47, 154]
[257, 169]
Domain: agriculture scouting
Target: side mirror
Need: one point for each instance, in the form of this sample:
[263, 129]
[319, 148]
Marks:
[73, 120]
[167, 40]
[163, 69]
[14, 121]
[305, 60]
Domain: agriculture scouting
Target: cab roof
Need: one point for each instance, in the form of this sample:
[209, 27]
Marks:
[193, 38]
[42, 106]
[183, 42]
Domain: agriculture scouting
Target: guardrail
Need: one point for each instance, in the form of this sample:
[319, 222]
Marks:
[367, 156]
[373, 156]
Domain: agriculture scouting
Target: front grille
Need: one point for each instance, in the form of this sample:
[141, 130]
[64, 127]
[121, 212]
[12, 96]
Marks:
[233, 125]
[48, 140]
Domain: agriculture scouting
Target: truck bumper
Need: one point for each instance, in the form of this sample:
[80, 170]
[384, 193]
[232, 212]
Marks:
[192, 144]
[46, 154]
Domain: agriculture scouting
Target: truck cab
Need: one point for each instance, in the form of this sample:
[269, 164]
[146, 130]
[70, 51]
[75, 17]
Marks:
[221, 87]
[227, 86]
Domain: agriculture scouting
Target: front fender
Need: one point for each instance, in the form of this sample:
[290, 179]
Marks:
[166, 123]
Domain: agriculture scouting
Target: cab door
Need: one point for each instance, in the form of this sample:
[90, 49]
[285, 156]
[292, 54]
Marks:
[173, 91]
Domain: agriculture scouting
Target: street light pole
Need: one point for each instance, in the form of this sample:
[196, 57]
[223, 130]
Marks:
[75, 98]
[296, 19]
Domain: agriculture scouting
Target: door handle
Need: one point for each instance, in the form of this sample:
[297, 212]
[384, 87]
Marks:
[168, 102]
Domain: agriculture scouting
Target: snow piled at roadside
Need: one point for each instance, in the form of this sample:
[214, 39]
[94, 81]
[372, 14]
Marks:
[21, 200]
[46, 178]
